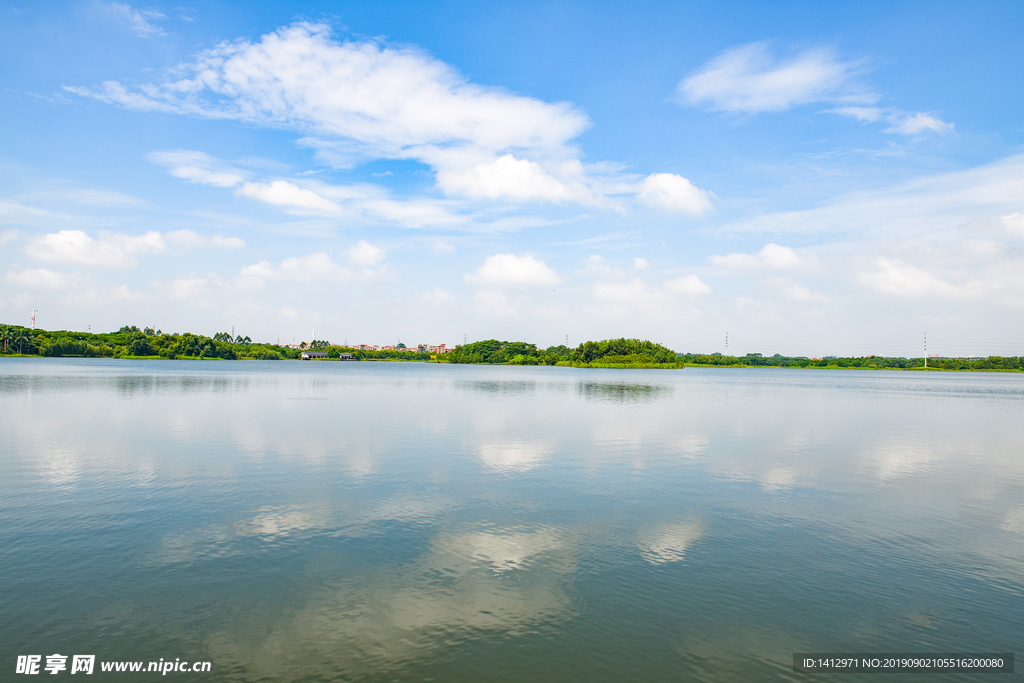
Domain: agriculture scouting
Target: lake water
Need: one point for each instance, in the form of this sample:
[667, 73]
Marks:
[292, 521]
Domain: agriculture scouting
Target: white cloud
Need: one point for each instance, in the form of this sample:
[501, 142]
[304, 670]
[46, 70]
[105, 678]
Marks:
[509, 269]
[314, 267]
[365, 254]
[115, 250]
[138, 20]
[674, 192]
[190, 238]
[896, 277]
[8, 236]
[595, 266]
[689, 284]
[770, 256]
[381, 101]
[360, 100]
[899, 121]
[439, 296]
[750, 79]
[43, 278]
[14, 212]
[197, 167]
[1014, 224]
[927, 206]
[640, 263]
[112, 250]
[284, 193]
[515, 179]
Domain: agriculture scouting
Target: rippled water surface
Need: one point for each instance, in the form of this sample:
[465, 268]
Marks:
[385, 521]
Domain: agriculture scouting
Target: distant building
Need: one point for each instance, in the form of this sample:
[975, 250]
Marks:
[310, 355]
[345, 356]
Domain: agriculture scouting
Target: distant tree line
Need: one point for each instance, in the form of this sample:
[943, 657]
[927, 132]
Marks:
[864, 362]
[131, 342]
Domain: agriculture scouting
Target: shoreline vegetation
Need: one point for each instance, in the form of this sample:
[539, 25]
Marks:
[147, 343]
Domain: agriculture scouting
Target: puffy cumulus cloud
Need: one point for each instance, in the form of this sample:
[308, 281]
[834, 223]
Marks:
[359, 100]
[197, 167]
[749, 78]
[317, 266]
[899, 121]
[771, 256]
[673, 192]
[287, 194]
[381, 101]
[112, 250]
[115, 250]
[365, 254]
[508, 177]
[640, 263]
[309, 268]
[689, 284]
[509, 269]
[43, 278]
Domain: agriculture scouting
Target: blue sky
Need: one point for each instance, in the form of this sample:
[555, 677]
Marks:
[811, 179]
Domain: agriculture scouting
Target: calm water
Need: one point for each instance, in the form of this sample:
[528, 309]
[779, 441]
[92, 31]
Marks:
[381, 521]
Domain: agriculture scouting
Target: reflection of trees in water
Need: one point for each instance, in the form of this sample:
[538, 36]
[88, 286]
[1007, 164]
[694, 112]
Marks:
[497, 387]
[622, 392]
[127, 385]
[133, 384]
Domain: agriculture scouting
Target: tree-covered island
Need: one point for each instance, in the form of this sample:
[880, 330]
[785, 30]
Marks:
[132, 342]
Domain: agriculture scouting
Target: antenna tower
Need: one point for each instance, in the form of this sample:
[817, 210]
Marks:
[926, 349]
[33, 313]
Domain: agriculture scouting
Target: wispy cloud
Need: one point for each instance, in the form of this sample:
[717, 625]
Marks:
[139, 21]
[750, 79]
[899, 121]
[197, 167]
